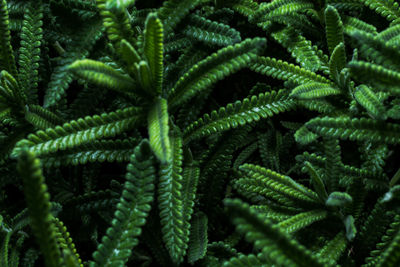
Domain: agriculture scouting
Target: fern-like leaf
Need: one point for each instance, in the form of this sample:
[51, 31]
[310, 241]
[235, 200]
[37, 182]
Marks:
[314, 90]
[78, 132]
[211, 32]
[95, 151]
[368, 99]
[42, 118]
[153, 50]
[243, 261]
[374, 48]
[170, 202]
[198, 238]
[214, 68]
[274, 185]
[29, 52]
[334, 28]
[190, 180]
[61, 78]
[102, 75]
[302, 220]
[300, 48]
[275, 245]
[386, 79]
[116, 21]
[389, 9]
[70, 254]
[132, 210]
[334, 248]
[6, 51]
[38, 201]
[352, 23]
[356, 129]
[173, 11]
[243, 7]
[337, 62]
[239, 114]
[158, 127]
[282, 70]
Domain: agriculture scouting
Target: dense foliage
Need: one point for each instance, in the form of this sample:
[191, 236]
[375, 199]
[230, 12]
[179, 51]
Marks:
[199, 133]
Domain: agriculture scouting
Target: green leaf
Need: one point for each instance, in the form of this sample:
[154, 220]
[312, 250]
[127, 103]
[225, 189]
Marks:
[70, 255]
[282, 70]
[29, 52]
[38, 202]
[130, 56]
[95, 151]
[78, 132]
[276, 246]
[385, 79]
[211, 32]
[299, 47]
[377, 50]
[7, 61]
[131, 212]
[244, 261]
[190, 180]
[387, 8]
[317, 182]
[171, 202]
[304, 136]
[337, 62]
[314, 90]
[334, 28]
[356, 129]
[103, 75]
[302, 220]
[368, 99]
[153, 50]
[157, 120]
[334, 248]
[116, 21]
[173, 11]
[275, 185]
[198, 238]
[119, 4]
[215, 67]
[42, 118]
[239, 113]
[243, 7]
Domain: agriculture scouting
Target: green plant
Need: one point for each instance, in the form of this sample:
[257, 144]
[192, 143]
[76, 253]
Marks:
[176, 135]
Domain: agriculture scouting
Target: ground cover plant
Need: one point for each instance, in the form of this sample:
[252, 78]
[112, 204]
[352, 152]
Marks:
[199, 133]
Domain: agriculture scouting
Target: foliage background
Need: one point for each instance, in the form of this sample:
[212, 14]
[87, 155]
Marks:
[199, 133]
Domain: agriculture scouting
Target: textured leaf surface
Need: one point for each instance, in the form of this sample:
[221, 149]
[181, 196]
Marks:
[78, 132]
[198, 238]
[274, 244]
[154, 49]
[132, 210]
[239, 114]
[157, 120]
[214, 68]
[102, 75]
[38, 201]
[171, 203]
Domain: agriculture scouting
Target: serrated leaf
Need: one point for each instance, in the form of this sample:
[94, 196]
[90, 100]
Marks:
[158, 128]
[314, 90]
[317, 182]
[198, 238]
[102, 75]
[153, 50]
